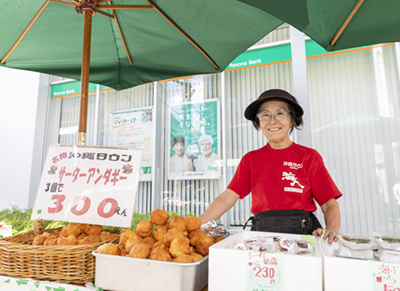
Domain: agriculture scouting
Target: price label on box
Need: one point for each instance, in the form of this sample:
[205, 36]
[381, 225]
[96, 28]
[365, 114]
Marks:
[88, 185]
[264, 271]
[385, 276]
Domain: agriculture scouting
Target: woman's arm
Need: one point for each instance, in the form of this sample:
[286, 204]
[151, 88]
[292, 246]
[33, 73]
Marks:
[332, 220]
[219, 206]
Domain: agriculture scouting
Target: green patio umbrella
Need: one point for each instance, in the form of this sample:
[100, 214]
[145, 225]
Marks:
[339, 24]
[125, 43]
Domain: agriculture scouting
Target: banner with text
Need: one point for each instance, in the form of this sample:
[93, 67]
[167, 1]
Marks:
[195, 141]
[92, 185]
[133, 129]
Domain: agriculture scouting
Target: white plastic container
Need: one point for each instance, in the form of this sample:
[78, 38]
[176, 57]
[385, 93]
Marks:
[5, 230]
[344, 273]
[227, 267]
[131, 274]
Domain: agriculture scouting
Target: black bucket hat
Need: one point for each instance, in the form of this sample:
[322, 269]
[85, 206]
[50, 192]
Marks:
[251, 110]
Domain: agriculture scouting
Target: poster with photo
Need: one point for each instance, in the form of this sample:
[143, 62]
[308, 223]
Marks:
[133, 129]
[195, 141]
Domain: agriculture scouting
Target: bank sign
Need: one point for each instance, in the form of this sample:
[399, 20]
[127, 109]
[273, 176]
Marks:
[71, 88]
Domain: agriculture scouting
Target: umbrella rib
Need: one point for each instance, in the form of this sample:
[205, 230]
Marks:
[126, 7]
[25, 32]
[64, 3]
[184, 34]
[348, 19]
[122, 36]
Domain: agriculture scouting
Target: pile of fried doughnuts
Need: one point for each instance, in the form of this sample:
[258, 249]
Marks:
[178, 239]
[75, 234]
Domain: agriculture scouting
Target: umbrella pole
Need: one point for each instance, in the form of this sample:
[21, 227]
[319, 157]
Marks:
[87, 34]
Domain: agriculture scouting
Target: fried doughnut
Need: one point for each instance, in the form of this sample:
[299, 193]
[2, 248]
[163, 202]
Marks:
[203, 244]
[183, 259]
[81, 236]
[40, 239]
[159, 232]
[160, 254]
[161, 244]
[159, 216]
[51, 241]
[108, 249]
[195, 236]
[149, 241]
[141, 251]
[172, 234]
[93, 229]
[104, 235]
[134, 240]
[70, 229]
[82, 226]
[180, 246]
[177, 222]
[125, 236]
[144, 228]
[196, 257]
[67, 241]
[90, 239]
[192, 223]
[113, 236]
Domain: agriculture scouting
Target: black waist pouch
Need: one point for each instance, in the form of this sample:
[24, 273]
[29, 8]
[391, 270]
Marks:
[285, 221]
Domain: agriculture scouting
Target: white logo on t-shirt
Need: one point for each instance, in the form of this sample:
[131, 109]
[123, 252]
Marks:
[292, 177]
[292, 165]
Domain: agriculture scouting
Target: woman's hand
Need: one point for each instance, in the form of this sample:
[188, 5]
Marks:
[332, 221]
[331, 235]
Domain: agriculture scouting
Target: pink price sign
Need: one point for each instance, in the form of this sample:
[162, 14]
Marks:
[264, 271]
[95, 185]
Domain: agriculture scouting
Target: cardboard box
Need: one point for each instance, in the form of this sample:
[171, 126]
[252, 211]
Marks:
[344, 273]
[131, 274]
[228, 268]
[5, 230]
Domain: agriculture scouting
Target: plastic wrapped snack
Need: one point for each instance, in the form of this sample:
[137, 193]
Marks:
[386, 241]
[346, 252]
[303, 248]
[286, 245]
[388, 256]
[256, 244]
[355, 242]
[213, 229]
[272, 243]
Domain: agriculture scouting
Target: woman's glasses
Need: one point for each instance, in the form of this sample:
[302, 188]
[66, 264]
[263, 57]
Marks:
[266, 116]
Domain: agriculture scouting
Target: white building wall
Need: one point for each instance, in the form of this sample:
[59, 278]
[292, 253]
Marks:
[18, 133]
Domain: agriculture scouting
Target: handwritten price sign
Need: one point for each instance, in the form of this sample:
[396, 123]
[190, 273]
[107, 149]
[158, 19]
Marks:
[89, 185]
[264, 271]
[385, 276]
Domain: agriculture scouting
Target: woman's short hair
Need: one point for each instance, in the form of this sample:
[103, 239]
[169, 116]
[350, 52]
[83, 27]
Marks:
[178, 139]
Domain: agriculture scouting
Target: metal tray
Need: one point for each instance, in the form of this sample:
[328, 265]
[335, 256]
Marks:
[131, 274]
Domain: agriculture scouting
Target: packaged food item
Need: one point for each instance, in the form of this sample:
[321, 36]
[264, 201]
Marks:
[213, 229]
[346, 252]
[388, 256]
[355, 242]
[239, 246]
[386, 241]
[272, 243]
[303, 248]
[286, 245]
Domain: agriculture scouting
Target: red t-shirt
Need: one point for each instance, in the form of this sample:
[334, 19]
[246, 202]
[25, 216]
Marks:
[290, 178]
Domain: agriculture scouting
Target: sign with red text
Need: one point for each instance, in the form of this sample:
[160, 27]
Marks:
[264, 271]
[95, 185]
[385, 276]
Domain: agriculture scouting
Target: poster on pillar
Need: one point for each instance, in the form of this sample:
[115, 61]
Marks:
[133, 129]
[194, 141]
[83, 184]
